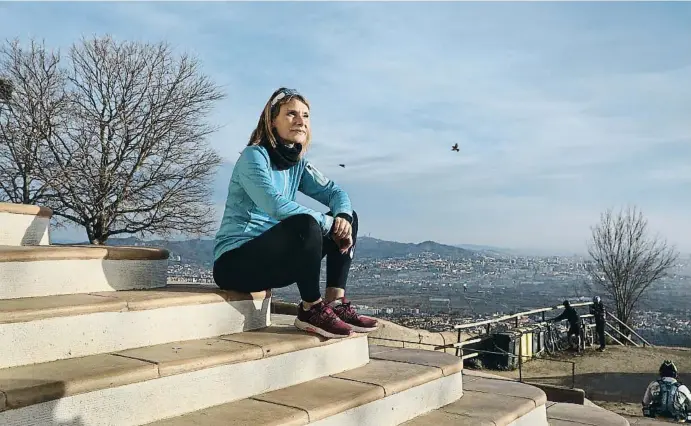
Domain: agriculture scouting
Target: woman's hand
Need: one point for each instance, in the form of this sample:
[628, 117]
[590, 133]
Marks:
[344, 244]
[341, 233]
[341, 229]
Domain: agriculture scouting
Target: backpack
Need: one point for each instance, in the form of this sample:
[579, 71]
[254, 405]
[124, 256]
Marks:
[667, 401]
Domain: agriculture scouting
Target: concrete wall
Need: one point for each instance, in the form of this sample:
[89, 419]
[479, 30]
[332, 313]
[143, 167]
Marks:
[560, 393]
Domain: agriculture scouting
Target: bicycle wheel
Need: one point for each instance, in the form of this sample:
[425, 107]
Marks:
[560, 341]
[550, 342]
[563, 342]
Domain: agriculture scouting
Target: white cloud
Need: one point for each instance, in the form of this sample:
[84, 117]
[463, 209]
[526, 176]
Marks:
[676, 174]
[560, 110]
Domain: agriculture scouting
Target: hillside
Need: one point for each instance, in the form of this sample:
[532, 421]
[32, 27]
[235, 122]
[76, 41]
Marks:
[200, 251]
[374, 248]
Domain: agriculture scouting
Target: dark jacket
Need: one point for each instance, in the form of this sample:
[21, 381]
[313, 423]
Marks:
[599, 311]
[570, 315]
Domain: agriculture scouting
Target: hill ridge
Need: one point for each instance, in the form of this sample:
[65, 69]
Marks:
[200, 250]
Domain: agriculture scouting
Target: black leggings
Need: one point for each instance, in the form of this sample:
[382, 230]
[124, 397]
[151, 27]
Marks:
[600, 331]
[290, 252]
[575, 330]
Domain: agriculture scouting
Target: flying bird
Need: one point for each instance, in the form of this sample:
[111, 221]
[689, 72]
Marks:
[455, 148]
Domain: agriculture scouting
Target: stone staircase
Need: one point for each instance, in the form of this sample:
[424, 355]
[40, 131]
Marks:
[94, 336]
[643, 421]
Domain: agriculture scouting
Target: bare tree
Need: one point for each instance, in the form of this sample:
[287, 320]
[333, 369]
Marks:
[626, 261]
[5, 89]
[583, 288]
[32, 107]
[132, 155]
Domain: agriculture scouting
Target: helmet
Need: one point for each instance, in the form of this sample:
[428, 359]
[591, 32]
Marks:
[566, 303]
[668, 369]
[596, 299]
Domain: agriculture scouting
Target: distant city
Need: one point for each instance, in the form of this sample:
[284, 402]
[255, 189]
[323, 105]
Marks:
[425, 289]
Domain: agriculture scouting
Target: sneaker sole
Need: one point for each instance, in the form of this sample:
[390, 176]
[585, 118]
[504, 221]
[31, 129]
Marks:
[305, 326]
[362, 329]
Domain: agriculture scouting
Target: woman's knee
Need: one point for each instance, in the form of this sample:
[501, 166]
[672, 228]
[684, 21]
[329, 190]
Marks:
[306, 227]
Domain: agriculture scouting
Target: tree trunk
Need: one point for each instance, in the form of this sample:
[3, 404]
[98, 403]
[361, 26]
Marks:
[98, 234]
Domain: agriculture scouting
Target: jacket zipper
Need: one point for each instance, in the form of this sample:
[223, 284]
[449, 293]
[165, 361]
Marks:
[285, 183]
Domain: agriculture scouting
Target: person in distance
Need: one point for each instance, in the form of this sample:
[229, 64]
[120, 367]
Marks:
[667, 397]
[575, 325]
[597, 309]
[268, 240]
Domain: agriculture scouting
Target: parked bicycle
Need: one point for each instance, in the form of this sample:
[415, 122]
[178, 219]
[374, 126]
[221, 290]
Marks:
[589, 335]
[555, 339]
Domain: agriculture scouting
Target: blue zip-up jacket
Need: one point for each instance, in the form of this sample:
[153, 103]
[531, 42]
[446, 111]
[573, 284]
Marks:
[259, 196]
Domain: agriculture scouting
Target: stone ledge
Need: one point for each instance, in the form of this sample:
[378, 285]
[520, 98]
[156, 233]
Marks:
[352, 394]
[496, 386]
[80, 252]
[478, 408]
[32, 384]
[167, 396]
[448, 364]
[43, 307]
[554, 393]
[565, 414]
[560, 393]
[489, 402]
[393, 335]
[26, 209]
[646, 421]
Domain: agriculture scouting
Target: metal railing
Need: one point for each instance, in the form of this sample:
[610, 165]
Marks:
[645, 342]
[520, 363]
[460, 343]
[586, 333]
[517, 316]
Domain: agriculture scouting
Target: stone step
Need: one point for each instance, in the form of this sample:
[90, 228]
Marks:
[498, 401]
[68, 269]
[647, 421]
[42, 329]
[565, 414]
[24, 225]
[490, 401]
[395, 386]
[143, 385]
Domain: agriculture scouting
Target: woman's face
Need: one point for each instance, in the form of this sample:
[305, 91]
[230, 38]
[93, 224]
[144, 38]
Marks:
[293, 122]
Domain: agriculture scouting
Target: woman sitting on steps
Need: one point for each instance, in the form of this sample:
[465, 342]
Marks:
[267, 240]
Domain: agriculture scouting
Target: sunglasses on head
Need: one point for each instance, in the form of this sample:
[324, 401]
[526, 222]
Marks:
[282, 94]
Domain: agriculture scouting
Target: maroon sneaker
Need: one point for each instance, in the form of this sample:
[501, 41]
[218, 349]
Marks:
[321, 319]
[346, 312]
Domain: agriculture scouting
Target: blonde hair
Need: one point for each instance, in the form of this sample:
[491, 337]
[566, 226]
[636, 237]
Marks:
[263, 134]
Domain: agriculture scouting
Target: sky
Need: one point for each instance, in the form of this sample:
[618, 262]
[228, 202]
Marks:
[560, 110]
